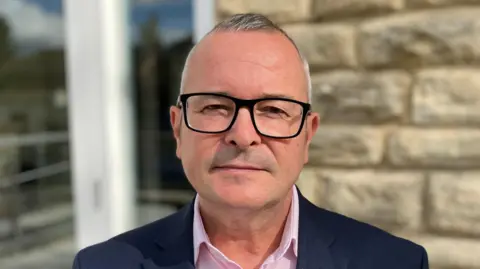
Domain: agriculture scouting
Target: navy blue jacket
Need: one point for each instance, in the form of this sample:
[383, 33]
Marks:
[326, 241]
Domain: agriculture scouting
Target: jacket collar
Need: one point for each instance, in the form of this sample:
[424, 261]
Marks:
[315, 239]
[176, 241]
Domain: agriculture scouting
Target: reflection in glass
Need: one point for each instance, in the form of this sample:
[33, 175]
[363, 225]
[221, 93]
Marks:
[35, 196]
[161, 40]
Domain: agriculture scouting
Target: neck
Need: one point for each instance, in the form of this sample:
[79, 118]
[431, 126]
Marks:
[247, 237]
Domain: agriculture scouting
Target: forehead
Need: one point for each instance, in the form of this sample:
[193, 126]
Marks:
[246, 65]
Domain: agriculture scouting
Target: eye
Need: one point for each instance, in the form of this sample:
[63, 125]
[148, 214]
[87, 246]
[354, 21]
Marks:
[215, 107]
[274, 110]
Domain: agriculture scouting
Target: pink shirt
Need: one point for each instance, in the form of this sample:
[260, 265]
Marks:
[207, 256]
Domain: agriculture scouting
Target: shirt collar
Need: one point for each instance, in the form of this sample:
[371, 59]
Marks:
[289, 237]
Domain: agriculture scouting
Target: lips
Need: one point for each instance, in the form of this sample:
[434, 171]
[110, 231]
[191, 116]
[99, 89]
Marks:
[239, 167]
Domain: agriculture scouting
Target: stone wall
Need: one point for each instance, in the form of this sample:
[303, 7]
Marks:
[397, 83]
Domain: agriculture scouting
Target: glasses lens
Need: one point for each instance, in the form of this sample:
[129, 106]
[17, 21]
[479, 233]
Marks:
[209, 113]
[278, 118]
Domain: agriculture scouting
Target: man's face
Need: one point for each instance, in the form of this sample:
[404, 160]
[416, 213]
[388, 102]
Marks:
[246, 65]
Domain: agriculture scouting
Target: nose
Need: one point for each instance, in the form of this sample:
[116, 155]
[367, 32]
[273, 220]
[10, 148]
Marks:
[243, 133]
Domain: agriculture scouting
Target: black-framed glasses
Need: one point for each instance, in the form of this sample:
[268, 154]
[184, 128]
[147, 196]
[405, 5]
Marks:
[216, 113]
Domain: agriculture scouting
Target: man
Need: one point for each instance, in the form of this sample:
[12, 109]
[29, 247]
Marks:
[243, 125]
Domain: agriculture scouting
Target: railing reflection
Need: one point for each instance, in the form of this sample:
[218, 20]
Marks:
[36, 196]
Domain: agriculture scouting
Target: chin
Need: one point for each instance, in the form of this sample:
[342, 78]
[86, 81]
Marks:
[241, 202]
[242, 192]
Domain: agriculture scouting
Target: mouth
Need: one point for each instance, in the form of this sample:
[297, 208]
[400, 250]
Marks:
[239, 168]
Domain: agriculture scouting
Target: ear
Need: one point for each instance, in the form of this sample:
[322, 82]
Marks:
[312, 122]
[176, 122]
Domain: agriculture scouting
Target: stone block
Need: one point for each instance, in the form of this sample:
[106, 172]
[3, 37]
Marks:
[458, 148]
[390, 199]
[325, 46]
[311, 186]
[454, 202]
[330, 8]
[280, 11]
[356, 97]
[447, 96]
[412, 40]
[347, 146]
[439, 3]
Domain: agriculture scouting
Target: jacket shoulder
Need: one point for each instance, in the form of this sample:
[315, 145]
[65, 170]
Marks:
[369, 245]
[108, 254]
[146, 234]
[128, 248]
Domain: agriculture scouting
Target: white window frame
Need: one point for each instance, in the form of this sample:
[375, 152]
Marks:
[101, 110]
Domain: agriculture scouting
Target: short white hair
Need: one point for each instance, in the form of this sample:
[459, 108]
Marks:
[252, 22]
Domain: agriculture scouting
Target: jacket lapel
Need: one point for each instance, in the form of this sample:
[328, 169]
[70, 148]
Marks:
[314, 240]
[176, 243]
[176, 248]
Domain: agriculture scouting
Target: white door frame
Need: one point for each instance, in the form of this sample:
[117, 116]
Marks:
[203, 18]
[101, 113]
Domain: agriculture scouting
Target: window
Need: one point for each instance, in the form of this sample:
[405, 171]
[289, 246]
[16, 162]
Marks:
[35, 186]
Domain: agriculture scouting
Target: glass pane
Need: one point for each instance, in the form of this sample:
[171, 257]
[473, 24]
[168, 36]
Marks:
[162, 38]
[35, 192]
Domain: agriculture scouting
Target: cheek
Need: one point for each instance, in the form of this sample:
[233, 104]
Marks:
[196, 149]
[289, 156]
[296, 162]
